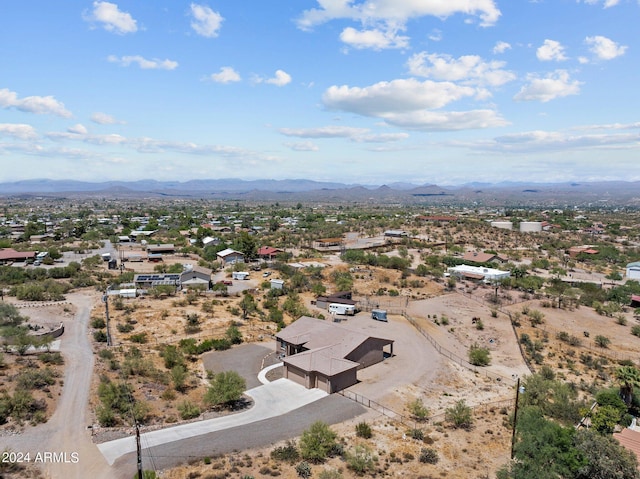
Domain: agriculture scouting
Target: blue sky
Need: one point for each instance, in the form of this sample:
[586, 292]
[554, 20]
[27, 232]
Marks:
[369, 92]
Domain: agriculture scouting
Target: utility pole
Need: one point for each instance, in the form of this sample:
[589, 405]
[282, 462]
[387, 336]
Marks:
[139, 451]
[105, 300]
[515, 418]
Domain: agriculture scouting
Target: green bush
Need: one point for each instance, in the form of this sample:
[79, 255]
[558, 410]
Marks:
[188, 410]
[459, 415]
[318, 442]
[479, 356]
[100, 336]
[363, 430]
[97, 323]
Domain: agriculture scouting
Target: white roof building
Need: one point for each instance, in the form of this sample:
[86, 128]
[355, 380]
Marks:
[478, 272]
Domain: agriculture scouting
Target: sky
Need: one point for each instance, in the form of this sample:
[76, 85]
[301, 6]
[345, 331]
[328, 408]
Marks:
[359, 92]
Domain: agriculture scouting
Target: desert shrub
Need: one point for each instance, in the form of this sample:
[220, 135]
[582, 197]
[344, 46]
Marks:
[287, 453]
[303, 470]
[36, 378]
[479, 356]
[330, 474]
[105, 354]
[188, 410]
[363, 430]
[318, 442]
[97, 323]
[140, 338]
[459, 415]
[602, 341]
[100, 336]
[418, 410]
[124, 327]
[361, 460]
[428, 455]
[51, 358]
[417, 434]
[635, 330]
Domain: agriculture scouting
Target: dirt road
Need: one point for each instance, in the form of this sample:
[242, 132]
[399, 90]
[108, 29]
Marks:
[62, 447]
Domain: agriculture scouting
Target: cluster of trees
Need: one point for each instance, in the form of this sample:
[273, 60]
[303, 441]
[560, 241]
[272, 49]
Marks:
[548, 445]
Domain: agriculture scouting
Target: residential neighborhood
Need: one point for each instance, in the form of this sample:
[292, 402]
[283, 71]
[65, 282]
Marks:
[200, 318]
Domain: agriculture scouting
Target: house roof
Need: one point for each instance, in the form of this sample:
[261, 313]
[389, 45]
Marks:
[478, 257]
[228, 252]
[268, 250]
[7, 254]
[323, 360]
[630, 440]
[635, 264]
[316, 334]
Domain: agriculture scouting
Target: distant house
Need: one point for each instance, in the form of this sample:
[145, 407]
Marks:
[158, 248]
[438, 219]
[144, 281]
[277, 284]
[396, 234]
[576, 250]
[633, 270]
[478, 257]
[326, 355]
[478, 273]
[9, 255]
[230, 256]
[141, 234]
[268, 253]
[196, 276]
[327, 243]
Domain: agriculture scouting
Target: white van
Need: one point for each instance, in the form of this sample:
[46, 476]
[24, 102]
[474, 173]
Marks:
[346, 309]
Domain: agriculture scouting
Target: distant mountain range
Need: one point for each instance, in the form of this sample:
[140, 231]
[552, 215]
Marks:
[508, 193]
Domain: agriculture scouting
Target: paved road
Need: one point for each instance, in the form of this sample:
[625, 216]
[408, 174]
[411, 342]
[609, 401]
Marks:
[330, 409]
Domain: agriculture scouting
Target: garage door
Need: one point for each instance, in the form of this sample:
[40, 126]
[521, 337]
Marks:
[296, 375]
[322, 383]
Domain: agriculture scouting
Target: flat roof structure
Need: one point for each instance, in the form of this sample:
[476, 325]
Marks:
[478, 272]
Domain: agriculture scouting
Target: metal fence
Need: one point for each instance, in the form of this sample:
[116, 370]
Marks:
[483, 408]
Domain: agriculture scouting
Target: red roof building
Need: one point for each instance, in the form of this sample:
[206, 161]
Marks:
[268, 252]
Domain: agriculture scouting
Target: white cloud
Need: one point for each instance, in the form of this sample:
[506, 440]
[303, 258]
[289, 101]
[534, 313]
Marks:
[469, 68]
[18, 130]
[324, 132]
[604, 48]
[375, 39]
[537, 140]
[104, 119]
[226, 75]
[435, 35]
[607, 3]
[395, 96]
[143, 63]
[551, 50]
[359, 135]
[501, 47]
[555, 85]
[381, 138]
[111, 18]
[446, 120]
[205, 21]
[33, 104]
[78, 129]
[281, 78]
[396, 11]
[303, 146]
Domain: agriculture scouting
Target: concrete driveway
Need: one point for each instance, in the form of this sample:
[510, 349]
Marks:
[270, 400]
